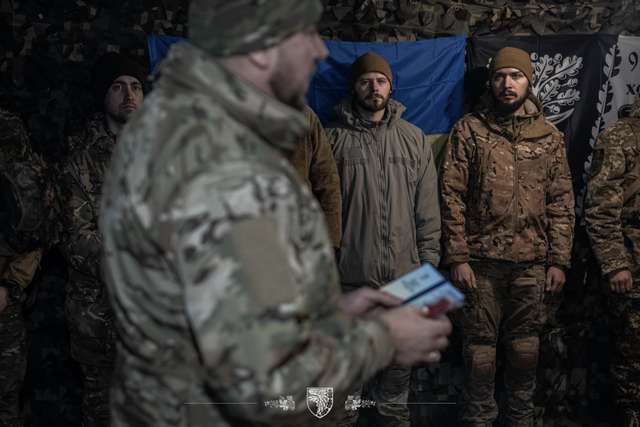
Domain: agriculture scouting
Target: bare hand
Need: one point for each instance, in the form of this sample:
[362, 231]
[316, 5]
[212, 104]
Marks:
[620, 281]
[555, 279]
[4, 298]
[463, 276]
[417, 338]
[365, 301]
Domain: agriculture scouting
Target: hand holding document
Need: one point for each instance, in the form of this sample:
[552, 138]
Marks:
[425, 286]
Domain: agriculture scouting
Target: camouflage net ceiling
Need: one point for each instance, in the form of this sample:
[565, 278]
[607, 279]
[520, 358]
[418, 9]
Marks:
[394, 20]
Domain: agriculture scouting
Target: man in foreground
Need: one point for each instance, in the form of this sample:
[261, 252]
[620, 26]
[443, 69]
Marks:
[217, 258]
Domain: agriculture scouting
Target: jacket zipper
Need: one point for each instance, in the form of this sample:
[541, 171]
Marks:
[515, 191]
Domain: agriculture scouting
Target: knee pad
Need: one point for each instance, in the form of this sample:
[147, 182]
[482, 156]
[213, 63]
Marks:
[522, 353]
[482, 361]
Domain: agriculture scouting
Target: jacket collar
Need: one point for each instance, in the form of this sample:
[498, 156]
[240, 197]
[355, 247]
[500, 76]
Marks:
[190, 67]
[347, 113]
[531, 125]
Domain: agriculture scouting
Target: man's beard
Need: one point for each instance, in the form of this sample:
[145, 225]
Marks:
[504, 108]
[369, 104]
[120, 117]
[284, 92]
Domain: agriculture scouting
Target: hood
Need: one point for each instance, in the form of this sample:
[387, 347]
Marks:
[187, 66]
[531, 125]
[347, 114]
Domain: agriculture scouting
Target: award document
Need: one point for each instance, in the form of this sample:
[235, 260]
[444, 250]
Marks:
[425, 286]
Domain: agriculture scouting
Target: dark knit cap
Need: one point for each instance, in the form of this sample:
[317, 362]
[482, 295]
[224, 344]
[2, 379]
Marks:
[512, 57]
[109, 67]
[368, 63]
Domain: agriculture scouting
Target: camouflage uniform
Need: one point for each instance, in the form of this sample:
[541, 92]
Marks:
[21, 173]
[89, 316]
[218, 261]
[507, 208]
[612, 218]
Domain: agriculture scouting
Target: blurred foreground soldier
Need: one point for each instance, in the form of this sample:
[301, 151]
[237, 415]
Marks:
[313, 159]
[218, 260]
[22, 186]
[118, 88]
[612, 214]
[390, 205]
[508, 217]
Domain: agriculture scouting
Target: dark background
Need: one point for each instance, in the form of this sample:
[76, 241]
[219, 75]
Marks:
[47, 49]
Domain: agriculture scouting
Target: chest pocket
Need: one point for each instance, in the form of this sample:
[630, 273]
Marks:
[404, 166]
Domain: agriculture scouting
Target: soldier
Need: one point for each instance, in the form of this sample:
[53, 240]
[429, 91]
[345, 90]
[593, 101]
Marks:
[118, 86]
[507, 225]
[314, 161]
[391, 217]
[611, 215]
[218, 261]
[22, 175]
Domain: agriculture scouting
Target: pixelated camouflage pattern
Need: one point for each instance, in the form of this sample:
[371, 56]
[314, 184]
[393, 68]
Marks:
[399, 20]
[225, 28]
[506, 191]
[89, 315]
[612, 209]
[218, 262]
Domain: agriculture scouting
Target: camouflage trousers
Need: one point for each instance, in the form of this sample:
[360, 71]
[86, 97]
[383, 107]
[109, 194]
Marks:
[92, 345]
[506, 309]
[390, 392]
[13, 362]
[624, 321]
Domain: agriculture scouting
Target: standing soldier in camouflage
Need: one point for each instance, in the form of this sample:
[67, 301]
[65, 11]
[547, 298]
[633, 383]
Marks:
[22, 193]
[391, 215]
[217, 257]
[314, 161]
[612, 214]
[508, 218]
[119, 91]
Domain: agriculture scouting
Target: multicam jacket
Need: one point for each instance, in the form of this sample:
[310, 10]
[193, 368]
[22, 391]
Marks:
[218, 262]
[26, 196]
[80, 186]
[389, 182]
[87, 309]
[506, 190]
[612, 205]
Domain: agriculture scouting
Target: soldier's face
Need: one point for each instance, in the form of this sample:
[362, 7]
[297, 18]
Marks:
[510, 88]
[372, 91]
[123, 98]
[298, 57]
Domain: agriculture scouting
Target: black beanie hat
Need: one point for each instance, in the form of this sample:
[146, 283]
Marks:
[109, 67]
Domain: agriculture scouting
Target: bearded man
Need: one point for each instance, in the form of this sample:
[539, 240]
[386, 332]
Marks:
[390, 210]
[507, 227]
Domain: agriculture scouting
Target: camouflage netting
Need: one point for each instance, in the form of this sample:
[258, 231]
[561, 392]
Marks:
[395, 20]
[46, 52]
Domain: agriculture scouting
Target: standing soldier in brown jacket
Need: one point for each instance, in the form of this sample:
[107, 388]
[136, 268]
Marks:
[313, 160]
[507, 225]
[612, 214]
[390, 211]
[118, 86]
